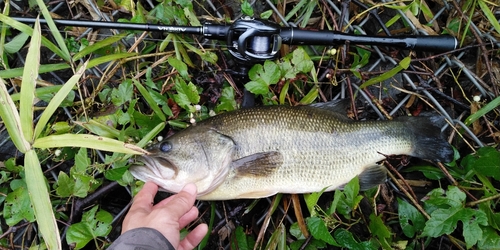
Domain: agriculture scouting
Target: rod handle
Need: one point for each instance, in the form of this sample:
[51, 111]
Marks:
[441, 43]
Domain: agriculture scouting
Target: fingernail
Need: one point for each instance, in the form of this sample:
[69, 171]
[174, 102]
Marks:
[190, 188]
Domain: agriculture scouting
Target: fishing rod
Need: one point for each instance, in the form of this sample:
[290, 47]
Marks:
[254, 40]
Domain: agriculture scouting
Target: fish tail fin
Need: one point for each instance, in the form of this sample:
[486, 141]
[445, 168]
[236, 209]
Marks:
[428, 140]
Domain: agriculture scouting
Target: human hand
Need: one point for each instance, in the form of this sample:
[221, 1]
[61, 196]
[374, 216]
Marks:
[168, 216]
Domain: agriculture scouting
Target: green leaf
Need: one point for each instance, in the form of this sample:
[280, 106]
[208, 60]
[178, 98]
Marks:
[191, 16]
[410, 219]
[485, 161]
[471, 230]
[115, 173]
[82, 161]
[430, 172]
[490, 240]
[123, 93]
[319, 231]
[349, 198]
[266, 14]
[239, 240]
[269, 73]
[403, 64]
[94, 224]
[246, 8]
[82, 184]
[187, 94]
[296, 232]
[65, 185]
[258, 87]
[301, 61]
[17, 206]
[16, 43]
[345, 239]
[379, 229]
[180, 66]
[445, 220]
[312, 200]
[227, 101]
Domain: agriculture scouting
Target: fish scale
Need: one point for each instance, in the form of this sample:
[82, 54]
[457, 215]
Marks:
[289, 150]
[319, 151]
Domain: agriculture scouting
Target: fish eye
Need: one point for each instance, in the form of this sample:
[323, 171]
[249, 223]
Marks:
[165, 147]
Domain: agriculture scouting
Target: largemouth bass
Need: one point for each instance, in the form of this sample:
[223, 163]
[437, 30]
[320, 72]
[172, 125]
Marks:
[258, 152]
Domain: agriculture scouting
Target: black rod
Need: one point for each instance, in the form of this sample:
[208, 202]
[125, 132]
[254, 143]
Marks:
[117, 25]
[255, 40]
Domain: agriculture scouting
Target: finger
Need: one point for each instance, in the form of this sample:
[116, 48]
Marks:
[194, 237]
[144, 198]
[188, 217]
[164, 201]
[182, 202]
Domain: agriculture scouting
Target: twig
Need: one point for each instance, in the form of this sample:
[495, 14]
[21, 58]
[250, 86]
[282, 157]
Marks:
[415, 202]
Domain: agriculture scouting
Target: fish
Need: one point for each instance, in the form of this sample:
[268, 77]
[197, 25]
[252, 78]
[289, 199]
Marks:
[258, 152]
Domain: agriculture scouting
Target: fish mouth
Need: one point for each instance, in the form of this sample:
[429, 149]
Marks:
[157, 166]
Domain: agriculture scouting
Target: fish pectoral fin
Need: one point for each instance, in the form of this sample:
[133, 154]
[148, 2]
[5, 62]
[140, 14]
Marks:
[372, 176]
[258, 165]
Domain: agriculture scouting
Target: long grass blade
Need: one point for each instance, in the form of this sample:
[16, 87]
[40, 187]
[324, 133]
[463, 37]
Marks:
[28, 30]
[28, 83]
[487, 108]
[57, 100]
[149, 99]
[39, 196]
[108, 58]
[16, 72]
[96, 46]
[487, 12]
[3, 32]
[54, 30]
[87, 141]
[11, 120]
[402, 65]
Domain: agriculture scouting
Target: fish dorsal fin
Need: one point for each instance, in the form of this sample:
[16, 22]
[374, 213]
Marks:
[372, 176]
[260, 164]
[338, 106]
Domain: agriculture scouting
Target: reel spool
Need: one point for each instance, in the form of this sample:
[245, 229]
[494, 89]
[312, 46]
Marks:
[252, 41]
